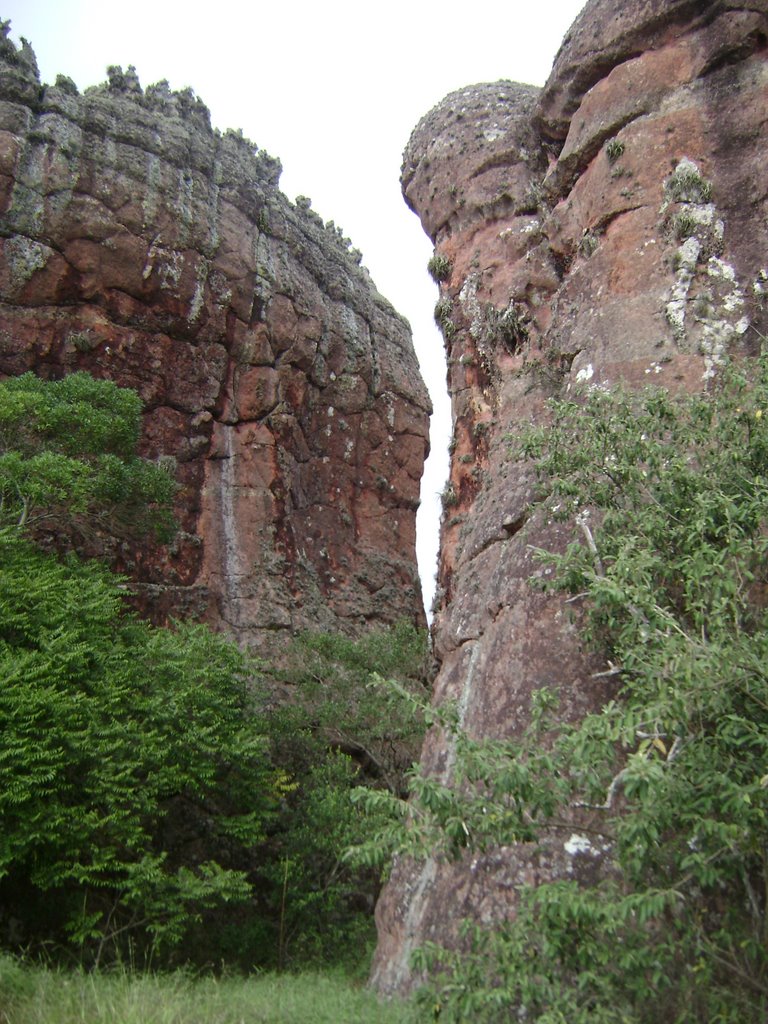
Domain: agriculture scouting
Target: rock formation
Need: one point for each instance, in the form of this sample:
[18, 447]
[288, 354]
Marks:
[141, 245]
[610, 227]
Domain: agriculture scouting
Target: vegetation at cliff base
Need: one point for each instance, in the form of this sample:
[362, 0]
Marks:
[68, 460]
[666, 785]
[157, 805]
[110, 729]
[346, 730]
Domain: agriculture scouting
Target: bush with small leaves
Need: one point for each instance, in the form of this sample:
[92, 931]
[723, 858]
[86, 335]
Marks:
[112, 729]
[345, 730]
[668, 501]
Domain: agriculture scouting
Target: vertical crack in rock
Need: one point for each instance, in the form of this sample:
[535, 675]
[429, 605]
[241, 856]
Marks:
[232, 570]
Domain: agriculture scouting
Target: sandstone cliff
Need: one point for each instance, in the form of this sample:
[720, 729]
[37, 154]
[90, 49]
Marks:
[612, 226]
[141, 245]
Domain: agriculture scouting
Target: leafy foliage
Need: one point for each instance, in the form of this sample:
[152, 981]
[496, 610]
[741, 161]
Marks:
[345, 731]
[68, 459]
[669, 501]
[113, 733]
[140, 788]
[111, 729]
[349, 707]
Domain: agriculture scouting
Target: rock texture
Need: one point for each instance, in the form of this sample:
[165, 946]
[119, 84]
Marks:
[140, 245]
[610, 227]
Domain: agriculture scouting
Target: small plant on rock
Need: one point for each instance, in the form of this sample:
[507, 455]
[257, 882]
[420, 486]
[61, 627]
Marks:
[684, 225]
[443, 311]
[512, 328]
[614, 149]
[439, 267]
[448, 497]
[687, 185]
[589, 245]
[84, 341]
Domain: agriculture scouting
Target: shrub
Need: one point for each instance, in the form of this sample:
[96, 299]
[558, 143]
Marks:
[111, 730]
[668, 498]
[343, 731]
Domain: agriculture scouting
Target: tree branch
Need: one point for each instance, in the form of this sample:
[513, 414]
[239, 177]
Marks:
[581, 522]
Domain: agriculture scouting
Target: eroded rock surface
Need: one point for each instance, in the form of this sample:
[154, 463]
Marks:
[610, 227]
[140, 245]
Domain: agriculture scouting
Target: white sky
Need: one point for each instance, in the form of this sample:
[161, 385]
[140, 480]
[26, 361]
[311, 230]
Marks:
[333, 89]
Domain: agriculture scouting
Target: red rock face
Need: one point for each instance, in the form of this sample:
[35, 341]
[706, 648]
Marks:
[612, 227]
[140, 245]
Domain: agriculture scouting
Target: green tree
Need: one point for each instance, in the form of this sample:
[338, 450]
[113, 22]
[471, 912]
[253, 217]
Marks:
[129, 764]
[68, 459]
[343, 696]
[342, 730]
[135, 780]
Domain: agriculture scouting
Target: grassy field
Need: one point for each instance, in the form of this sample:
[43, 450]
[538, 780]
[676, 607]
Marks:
[39, 995]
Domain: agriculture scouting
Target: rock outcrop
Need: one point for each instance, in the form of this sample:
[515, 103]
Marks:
[610, 227]
[141, 245]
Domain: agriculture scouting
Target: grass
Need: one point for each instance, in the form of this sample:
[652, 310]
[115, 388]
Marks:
[43, 995]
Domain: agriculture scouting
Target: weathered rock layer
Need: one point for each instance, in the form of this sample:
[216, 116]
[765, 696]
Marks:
[610, 227]
[141, 245]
